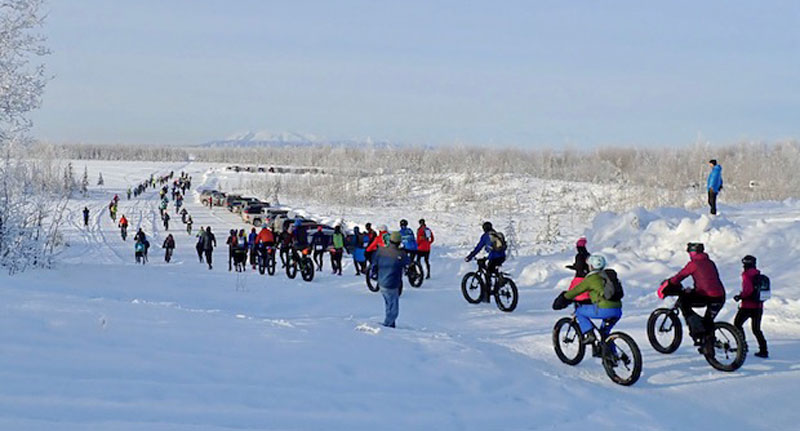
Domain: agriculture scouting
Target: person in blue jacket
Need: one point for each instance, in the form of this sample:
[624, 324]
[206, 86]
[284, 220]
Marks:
[494, 244]
[389, 262]
[408, 238]
[714, 184]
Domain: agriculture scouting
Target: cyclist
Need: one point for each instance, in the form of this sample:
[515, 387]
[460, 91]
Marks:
[123, 225]
[264, 239]
[424, 241]
[708, 292]
[285, 241]
[409, 239]
[299, 240]
[370, 235]
[168, 246]
[494, 244]
[600, 307]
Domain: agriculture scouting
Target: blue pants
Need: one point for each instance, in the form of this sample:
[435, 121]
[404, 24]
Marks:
[586, 312]
[392, 299]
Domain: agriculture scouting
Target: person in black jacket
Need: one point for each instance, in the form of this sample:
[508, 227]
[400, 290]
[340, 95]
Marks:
[319, 242]
[580, 266]
[168, 246]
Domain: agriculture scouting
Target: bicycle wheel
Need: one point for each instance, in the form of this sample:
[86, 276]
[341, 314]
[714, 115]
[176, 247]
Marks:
[262, 263]
[567, 341]
[622, 359]
[372, 279]
[271, 264]
[307, 269]
[471, 287]
[415, 274]
[664, 330]
[291, 267]
[506, 295]
[730, 348]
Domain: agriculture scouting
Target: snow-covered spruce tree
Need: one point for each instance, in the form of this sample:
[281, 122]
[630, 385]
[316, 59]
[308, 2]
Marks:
[85, 181]
[30, 206]
[100, 181]
[512, 240]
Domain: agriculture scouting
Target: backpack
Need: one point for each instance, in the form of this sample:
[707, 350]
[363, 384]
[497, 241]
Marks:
[498, 241]
[761, 290]
[612, 287]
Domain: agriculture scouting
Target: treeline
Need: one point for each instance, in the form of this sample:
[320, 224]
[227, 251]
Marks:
[119, 152]
[752, 171]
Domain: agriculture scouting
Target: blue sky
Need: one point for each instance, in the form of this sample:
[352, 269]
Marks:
[530, 74]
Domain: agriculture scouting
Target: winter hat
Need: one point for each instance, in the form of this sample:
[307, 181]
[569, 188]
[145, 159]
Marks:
[581, 242]
[395, 237]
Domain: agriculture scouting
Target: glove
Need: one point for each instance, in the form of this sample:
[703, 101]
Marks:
[561, 302]
[737, 298]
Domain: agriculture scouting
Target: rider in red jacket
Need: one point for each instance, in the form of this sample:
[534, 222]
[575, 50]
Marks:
[708, 292]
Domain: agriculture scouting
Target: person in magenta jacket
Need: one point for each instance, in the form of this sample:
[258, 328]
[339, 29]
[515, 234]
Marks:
[751, 307]
[708, 292]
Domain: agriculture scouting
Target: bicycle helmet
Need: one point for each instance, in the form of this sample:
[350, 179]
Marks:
[696, 247]
[403, 223]
[749, 261]
[487, 226]
[597, 262]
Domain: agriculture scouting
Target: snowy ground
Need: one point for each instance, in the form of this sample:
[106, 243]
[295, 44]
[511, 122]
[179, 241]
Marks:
[101, 343]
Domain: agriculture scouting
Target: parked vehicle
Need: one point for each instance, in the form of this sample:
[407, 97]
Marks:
[213, 198]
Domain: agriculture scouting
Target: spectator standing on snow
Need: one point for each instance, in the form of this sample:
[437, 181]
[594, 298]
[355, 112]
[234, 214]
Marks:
[86, 216]
[389, 262]
[714, 184]
[424, 240]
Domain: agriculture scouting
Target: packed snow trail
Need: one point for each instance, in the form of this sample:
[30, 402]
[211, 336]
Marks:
[101, 343]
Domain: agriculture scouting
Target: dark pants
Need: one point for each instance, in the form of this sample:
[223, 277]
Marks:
[318, 254]
[208, 257]
[425, 255]
[253, 257]
[699, 327]
[754, 314]
[712, 200]
[199, 248]
[168, 255]
[336, 260]
[492, 265]
[284, 255]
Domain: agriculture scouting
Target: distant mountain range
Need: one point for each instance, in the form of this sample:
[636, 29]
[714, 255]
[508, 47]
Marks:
[286, 139]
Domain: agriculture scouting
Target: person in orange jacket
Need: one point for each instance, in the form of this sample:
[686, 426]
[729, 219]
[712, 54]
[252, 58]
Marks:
[424, 240]
[379, 240]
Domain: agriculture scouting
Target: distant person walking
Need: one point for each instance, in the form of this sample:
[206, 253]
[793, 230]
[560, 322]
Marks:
[389, 262]
[209, 242]
[714, 184]
[86, 216]
[751, 306]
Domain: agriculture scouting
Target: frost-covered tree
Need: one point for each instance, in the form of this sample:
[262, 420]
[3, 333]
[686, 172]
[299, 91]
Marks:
[31, 199]
[85, 181]
[100, 181]
[512, 240]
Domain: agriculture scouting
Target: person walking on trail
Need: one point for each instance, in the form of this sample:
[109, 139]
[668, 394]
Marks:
[359, 258]
[714, 184]
[424, 240]
[199, 245]
[232, 241]
[168, 246]
[166, 221]
[86, 216]
[319, 241]
[189, 225]
[389, 263]
[209, 242]
[751, 306]
[337, 250]
[251, 245]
